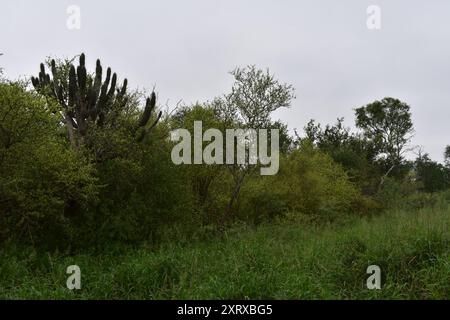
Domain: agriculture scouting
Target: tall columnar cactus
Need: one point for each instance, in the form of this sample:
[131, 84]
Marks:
[89, 100]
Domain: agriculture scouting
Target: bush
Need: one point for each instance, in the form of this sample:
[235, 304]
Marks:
[143, 192]
[44, 186]
[309, 182]
[111, 189]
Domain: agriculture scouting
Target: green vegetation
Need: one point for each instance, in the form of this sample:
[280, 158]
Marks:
[86, 178]
[277, 261]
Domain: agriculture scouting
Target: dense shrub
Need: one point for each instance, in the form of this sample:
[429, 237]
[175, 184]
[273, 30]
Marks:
[111, 189]
[117, 183]
[44, 186]
[309, 182]
[395, 193]
[143, 191]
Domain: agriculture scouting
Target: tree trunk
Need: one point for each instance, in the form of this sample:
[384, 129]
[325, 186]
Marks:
[383, 178]
[233, 198]
[70, 129]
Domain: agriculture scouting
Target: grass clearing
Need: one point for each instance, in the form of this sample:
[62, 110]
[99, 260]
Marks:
[278, 261]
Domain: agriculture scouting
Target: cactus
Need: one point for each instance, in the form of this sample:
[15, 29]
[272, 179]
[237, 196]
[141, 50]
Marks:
[87, 100]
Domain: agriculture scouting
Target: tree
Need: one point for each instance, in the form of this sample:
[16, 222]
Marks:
[388, 125]
[87, 100]
[447, 156]
[141, 188]
[22, 117]
[353, 151]
[45, 186]
[309, 183]
[203, 177]
[1, 69]
[332, 137]
[433, 176]
[254, 96]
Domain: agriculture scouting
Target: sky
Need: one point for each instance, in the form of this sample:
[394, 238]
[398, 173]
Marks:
[186, 49]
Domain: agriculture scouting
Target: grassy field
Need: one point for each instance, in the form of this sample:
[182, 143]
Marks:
[278, 261]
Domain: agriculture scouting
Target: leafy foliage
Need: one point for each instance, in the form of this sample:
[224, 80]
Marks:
[388, 125]
[309, 183]
[80, 173]
[433, 176]
[79, 169]
[353, 151]
[44, 186]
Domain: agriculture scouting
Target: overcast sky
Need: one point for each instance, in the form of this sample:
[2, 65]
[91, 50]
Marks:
[187, 47]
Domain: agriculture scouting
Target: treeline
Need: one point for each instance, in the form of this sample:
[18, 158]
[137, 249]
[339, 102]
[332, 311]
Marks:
[86, 162]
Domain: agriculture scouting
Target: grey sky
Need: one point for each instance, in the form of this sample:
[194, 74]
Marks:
[186, 49]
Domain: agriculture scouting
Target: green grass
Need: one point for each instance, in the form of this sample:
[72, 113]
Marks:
[278, 261]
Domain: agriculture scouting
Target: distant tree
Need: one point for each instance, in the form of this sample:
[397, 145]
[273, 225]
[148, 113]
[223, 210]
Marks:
[447, 156]
[433, 176]
[332, 137]
[286, 141]
[353, 151]
[255, 95]
[388, 126]
[1, 69]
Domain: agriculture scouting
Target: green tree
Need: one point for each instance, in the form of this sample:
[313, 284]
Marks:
[45, 187]
[431, 175]
[141, 192]
[309, 184]
[208, 182]
[254, 96]
[447, 156]
[388, 126]
[353, 151]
